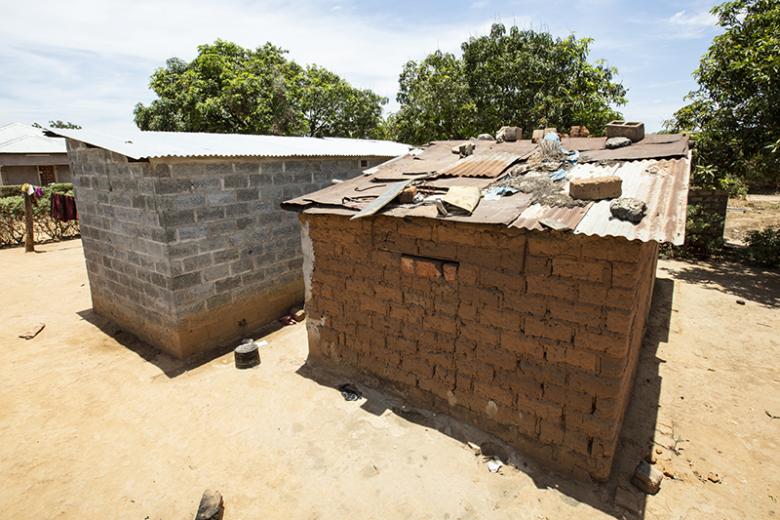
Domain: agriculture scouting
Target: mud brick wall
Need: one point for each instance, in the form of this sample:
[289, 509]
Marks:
[531, 336]
[190, 254]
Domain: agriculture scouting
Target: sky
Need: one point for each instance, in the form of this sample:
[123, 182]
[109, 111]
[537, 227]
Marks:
[89, 61]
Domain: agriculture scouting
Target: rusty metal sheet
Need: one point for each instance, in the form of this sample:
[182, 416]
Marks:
[448, 182]
[665, 193]
[651, 147]
[434, 157]
[389, 193]
[502, 211]
[583, 144]
[482, 165]
[464, 198]
[531, 218]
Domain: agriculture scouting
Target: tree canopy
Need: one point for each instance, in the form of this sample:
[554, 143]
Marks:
[735, 111]
[230, 89]
[520, 77]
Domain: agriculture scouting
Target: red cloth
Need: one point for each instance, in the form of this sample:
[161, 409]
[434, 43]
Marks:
[63, 207]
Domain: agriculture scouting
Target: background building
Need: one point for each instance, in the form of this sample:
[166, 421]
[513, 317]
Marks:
[27, 155]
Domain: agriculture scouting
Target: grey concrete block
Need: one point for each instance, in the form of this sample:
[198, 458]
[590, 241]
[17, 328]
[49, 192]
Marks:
[221, 198]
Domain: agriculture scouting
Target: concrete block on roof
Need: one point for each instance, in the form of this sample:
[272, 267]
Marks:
[509, 134]
[596, 188]
[631, 129]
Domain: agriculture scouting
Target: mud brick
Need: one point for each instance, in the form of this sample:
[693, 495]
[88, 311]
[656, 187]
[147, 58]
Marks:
[596, 188]
[594, 271]
[540, 408]
[525, 303]
[538, 265]
[619, 322]
[501, 319]
[550, 244]
[624, 275]
[521, 344]
[549, 329]
[612, 249]
[556, 287]
[407, 265]
[450, 271]
[612, 344]
[426, 268]
[551, 432]
[584, 360]
[420, 230]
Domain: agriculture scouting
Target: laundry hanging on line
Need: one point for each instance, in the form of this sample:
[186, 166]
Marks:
[63, 207]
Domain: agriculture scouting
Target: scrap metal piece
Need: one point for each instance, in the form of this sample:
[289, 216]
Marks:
[482, 165]
[465, 198]
[393, 190]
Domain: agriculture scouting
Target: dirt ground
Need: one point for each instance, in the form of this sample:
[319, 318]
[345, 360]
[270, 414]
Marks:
[94, 424]
[755, 212]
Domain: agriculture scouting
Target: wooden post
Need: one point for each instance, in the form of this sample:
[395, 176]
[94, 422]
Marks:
[29, 238]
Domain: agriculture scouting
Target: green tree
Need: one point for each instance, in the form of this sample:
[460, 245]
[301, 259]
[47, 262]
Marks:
[332, 107]
[435, 101]
[523, 78]
[531, 79]
[734, 113]
[229, 89]
[60, 124]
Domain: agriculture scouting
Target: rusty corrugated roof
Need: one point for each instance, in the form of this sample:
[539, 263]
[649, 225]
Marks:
[490, 164]
[664, 189]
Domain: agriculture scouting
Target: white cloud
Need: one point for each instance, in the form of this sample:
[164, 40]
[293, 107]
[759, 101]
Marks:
[368, 51]
[700, 19]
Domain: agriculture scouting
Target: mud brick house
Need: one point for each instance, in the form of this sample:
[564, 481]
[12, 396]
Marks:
[524, 316]
[185, 243]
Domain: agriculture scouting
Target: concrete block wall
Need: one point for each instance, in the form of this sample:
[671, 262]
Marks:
[194, 254]
[532, 336]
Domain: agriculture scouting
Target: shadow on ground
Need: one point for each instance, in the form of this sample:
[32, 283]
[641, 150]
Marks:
[169, 365]
[748, 283]
[636, 440]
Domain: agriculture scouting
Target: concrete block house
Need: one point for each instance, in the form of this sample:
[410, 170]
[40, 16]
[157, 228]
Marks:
[185, 242]
[524, 316]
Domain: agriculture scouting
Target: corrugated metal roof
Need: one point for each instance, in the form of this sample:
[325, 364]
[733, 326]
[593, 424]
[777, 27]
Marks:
[664, 192]
[25, 139]
[148, 145]
[490, 164]
[663, 188]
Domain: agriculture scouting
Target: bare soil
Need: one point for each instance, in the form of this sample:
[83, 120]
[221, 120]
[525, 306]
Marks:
[754, 212]
[95, 424]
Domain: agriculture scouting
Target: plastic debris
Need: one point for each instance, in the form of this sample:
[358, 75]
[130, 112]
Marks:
[349, 392]
[496, 192]
[494, 465]
[558, 175]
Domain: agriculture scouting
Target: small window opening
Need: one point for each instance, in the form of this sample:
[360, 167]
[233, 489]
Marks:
[364, 163]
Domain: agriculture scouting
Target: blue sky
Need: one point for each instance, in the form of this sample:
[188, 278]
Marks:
[89, 61]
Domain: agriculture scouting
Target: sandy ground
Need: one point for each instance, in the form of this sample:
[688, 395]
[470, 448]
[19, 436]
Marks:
[94, 424]
[755, 212]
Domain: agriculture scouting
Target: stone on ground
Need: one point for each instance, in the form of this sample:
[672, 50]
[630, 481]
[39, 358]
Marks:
[211, 506]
